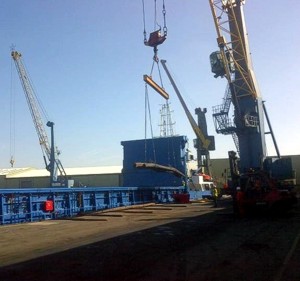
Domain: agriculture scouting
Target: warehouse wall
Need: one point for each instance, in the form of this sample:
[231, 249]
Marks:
[104, 180]
[220, 168]
[108, 180]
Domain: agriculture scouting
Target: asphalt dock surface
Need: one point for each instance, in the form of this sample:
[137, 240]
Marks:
[184, 242]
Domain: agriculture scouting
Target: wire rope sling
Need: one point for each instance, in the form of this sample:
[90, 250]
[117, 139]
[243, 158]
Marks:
[156, 38]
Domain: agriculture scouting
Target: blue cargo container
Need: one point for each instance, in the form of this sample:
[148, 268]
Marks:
[166, 151]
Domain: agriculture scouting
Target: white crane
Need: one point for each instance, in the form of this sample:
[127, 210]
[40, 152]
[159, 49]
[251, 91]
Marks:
[53, 164]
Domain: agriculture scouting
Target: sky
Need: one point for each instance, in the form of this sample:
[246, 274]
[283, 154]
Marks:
[87, 59]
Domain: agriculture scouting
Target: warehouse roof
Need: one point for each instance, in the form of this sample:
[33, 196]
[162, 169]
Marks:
[32, 172]
[11, 171]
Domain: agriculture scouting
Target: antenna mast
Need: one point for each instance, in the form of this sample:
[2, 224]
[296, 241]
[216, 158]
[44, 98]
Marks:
[166, 122]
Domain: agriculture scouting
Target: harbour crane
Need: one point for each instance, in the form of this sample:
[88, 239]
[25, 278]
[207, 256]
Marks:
[58, 175]
[256, 178]
[203, 143]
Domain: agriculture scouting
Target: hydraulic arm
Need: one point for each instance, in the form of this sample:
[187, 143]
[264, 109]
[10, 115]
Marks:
[203, 143]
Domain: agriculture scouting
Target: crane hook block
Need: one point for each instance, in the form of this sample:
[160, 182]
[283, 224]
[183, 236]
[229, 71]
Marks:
[156, 87]
[155, 39]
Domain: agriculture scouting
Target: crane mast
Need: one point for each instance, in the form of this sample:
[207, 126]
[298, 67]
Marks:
[54, 166]
[203, 143]
[233, 62]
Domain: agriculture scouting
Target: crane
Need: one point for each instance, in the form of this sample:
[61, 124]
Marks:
[58, 175]
[203, 143]
[233, 61]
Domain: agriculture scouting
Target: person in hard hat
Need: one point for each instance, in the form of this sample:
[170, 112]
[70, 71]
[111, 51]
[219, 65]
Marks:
[215, 194]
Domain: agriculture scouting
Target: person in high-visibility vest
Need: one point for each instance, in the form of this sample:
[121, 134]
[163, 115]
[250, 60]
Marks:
[215, 194]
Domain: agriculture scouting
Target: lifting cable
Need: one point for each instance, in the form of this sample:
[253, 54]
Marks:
[156, 38]
[144, 21]
[148, 112]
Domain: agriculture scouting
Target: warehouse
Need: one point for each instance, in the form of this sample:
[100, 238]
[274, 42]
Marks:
[85, 176]
[106, 176]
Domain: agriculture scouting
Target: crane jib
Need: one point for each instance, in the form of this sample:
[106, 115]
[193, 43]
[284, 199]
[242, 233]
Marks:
[54, 164]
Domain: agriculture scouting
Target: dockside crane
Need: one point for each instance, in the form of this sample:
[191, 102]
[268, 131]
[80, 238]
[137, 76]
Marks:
[260, 180]
[58, 175]
[203, 143]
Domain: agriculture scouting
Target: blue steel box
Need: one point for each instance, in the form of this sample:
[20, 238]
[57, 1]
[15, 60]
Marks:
[166, 151]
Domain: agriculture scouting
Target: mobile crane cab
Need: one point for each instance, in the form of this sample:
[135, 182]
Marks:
[217, 64]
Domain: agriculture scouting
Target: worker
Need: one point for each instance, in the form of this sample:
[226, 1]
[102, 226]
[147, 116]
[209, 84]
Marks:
[215, 194]
[184, 184]
[240, 202]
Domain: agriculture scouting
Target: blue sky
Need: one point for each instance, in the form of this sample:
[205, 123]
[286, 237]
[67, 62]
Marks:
[87, 60]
